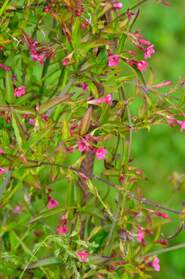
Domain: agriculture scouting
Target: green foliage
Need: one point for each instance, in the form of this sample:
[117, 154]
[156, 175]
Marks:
[59, 52]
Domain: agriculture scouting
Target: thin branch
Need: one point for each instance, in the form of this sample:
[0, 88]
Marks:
[165, 250]
[131, 195]
[143, 200]
[138, 4]
[130, 125]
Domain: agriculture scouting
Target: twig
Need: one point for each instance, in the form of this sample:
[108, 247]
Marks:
[165, 250]
[130, 125]
[143, 200]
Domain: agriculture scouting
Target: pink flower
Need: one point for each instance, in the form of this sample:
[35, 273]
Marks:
[2, 171]
[172, 121]
[83, 145]
[113, 60]
[31, 121]
[84, 86]
[149, 51]
[61, 229]
[17, 209]
[47, 9]
[162, 84]
[1, 151]
[142, 65]
[19, 91]
[182, 124]
[4, 67]
[65, 62]
[106, 100]
[144, 42]
[129, 14]
[140, 235]
[117, 5]
[45, 117]
[72, 129]
[155, 264]
[161, 214]
[83, 255]
[52, 203]
[100, 153]
[38, 57]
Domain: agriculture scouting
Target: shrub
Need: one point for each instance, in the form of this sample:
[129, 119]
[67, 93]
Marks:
[76, 84]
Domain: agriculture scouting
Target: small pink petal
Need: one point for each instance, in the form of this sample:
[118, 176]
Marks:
[31, 121]
[100, 153]
[19, 91]
[142, 65]
[161, 214]
[38, 57]
[83, 255]
[4, 67]
[140, 235]
[155, 264]
[17, 209]
[83, 146]
[52, 203]
[62, 230]
[84, 86]
[113, 60]
[149, 51]
[104, 100]
[117, 5]
[162, 84]
[2, 171]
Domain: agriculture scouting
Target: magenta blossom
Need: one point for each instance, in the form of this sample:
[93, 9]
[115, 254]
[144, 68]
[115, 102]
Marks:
[84, 86]
[83, 145]
[38, 57]
[1, 151]
[182, 124]
[129, 14]
[162, 84]
[140, 235]
[117, 5]
[149, 51]
[17, 209]
[62, 230]
[162, 215]
[2, 171]
[155, 264]
[83, 255]
[4, 67]
[113, 60]
[31, 121]
[142, 65]
[172, 121]
[52, 203]
[100, 153]
[106, 100]
[19, 91]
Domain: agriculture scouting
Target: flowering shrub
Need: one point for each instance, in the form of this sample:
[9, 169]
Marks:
[76, 84]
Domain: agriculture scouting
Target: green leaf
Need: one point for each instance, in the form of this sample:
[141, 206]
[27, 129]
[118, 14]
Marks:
[85, 122]
[17, 130]
[57, 100]
[45, 262]
[65, 130]
[9, 88]
[19, 109]
[4, 6]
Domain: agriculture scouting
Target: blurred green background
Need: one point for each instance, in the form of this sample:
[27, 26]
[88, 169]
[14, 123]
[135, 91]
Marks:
[161, 152]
